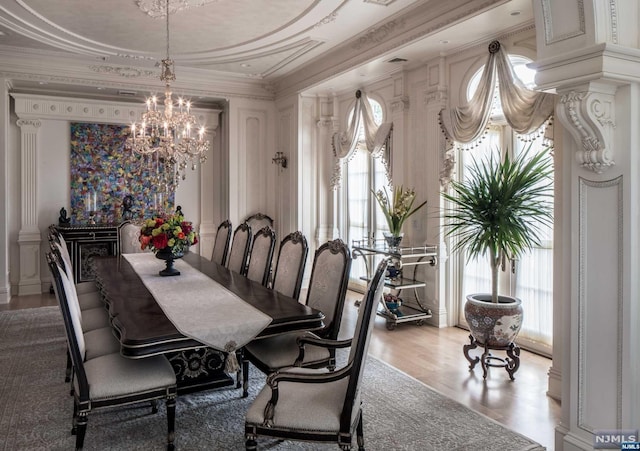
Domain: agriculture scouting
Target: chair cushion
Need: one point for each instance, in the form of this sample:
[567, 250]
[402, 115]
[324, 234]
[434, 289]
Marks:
[282, 350]
[89, 300]
[99, 342]
[308, 406]
[95, 318]
[114, 376]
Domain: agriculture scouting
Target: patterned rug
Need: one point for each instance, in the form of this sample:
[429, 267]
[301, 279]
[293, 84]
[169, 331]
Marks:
[400, 413]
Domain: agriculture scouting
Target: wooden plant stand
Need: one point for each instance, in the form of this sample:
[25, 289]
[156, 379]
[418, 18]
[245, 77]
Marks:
[511, 363]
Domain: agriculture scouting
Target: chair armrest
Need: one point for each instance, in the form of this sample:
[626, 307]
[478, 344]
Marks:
[274, 379]
[309, 338]
[323, 342]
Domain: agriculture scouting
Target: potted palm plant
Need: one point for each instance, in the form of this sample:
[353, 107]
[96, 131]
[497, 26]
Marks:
[498, 211]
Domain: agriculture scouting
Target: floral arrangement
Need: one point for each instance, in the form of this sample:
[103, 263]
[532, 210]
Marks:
[397, 207]
[171, 232]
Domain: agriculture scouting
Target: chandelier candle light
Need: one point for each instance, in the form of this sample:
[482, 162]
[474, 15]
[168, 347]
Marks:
[170, 139]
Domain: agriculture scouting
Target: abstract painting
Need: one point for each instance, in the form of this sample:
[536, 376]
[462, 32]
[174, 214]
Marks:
[103, 173]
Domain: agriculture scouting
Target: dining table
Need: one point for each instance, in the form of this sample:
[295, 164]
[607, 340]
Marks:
[146, 325]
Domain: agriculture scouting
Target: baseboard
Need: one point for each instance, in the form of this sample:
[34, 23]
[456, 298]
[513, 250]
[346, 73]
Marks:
[555, 384]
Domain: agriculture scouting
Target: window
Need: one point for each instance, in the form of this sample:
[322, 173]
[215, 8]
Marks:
[363, 173]
[531, 277]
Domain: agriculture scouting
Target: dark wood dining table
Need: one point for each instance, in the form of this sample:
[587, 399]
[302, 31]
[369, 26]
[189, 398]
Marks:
[144, 330]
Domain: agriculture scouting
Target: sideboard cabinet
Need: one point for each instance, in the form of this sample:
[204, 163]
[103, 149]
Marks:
[86, 241]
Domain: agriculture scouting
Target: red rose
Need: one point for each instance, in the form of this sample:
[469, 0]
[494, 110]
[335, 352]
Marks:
[186, 227]
[144, 241]
[159, 241]
[159, 222]
[195, 239]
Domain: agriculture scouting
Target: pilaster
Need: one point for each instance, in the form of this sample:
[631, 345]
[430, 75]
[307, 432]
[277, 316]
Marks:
[29, 236]
[5, 285]
[327, 125]
[590, 58]
[434, 98]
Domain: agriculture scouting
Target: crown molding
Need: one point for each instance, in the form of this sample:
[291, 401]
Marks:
[399, 30]
[31, 108]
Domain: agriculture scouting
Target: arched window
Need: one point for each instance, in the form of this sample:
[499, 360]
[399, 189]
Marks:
[363, 174]
[531, 277]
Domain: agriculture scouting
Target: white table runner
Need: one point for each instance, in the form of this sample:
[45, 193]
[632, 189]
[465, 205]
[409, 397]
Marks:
[198, 306]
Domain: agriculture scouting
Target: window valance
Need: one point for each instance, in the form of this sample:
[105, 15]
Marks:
[377, 138]
[524, 109]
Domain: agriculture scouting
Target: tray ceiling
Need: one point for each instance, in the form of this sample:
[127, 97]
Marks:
[265, 40]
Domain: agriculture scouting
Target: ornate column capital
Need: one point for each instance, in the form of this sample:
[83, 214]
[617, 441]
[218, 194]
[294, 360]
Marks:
[589, 115]
[438, 97]
[329, 122]
[28, 123]
[400, 104]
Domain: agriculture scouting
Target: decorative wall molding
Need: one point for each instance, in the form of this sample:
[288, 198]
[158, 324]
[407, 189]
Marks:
[550, 35]
[49, 107]
[29, 234]
[400, 105]
[590, 118]
[613, 15]
[606, 199]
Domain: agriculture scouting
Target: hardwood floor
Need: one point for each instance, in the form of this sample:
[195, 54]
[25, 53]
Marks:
[434, 356]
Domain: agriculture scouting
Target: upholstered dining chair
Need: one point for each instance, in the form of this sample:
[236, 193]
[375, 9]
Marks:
[110, 380]
[327, 291]
[259, 220]
[129, 238]
[95, 322]
[259, 267]
[221, 243]
[88, 295]
[315, 405]
[239, 252]
[82, 287]
[292, 258]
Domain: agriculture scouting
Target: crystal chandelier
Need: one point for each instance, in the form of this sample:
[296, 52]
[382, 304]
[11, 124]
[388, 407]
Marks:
[169, 139]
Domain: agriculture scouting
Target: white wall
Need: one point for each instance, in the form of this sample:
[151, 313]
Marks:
[53, 168]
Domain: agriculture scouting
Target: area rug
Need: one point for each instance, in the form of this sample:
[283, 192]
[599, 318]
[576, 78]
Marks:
[400, 413]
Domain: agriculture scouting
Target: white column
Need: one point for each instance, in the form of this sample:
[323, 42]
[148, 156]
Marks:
[591, 59]
[29, 236]
[5, 285]
[327, 125]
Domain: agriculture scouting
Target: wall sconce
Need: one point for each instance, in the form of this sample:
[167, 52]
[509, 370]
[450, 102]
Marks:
[280, 159]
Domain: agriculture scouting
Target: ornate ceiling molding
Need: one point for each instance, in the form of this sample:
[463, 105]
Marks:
[589, 116]
[156, 8]
[380, 2]
[379, 34]
[125, 71]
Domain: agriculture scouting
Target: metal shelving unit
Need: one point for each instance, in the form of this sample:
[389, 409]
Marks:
[400, 260]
